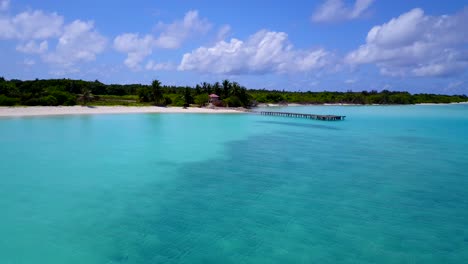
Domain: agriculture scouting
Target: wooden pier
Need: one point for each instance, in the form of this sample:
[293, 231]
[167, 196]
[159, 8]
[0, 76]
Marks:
[299, 115]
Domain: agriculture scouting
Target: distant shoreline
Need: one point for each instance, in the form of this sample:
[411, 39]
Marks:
[20, 111]
[338, 104]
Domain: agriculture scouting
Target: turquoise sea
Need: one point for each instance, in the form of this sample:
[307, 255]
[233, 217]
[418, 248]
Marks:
[387, 185]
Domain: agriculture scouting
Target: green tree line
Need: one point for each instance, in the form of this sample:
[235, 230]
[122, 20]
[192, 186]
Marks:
[71, 92]
[365, 97]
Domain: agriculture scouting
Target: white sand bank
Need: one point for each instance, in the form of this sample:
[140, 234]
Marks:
[83, 110]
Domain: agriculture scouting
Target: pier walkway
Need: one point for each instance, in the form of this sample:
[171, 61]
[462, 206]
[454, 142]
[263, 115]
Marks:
[299, 115]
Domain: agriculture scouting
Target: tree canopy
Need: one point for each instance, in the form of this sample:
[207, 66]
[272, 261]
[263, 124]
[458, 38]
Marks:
[232, 94]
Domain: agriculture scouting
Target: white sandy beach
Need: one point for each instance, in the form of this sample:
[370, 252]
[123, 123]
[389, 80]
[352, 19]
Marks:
[83, 110]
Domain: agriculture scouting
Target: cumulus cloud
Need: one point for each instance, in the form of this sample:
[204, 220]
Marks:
[31, 25]
[337, 10]
[415, 44]
[32, 47]
[136, 47]
[263, 52]
[4, 5]
[77, 42]
[171, 36]
[80, 42]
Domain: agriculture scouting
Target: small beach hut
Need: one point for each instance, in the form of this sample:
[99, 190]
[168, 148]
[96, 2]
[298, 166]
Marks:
[214, 99]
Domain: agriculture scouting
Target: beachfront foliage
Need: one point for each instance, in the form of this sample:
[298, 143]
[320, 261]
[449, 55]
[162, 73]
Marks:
[8, 101]
[188, 98]
[86, 96]
[158, 97]
[201, 99]
[232, 94]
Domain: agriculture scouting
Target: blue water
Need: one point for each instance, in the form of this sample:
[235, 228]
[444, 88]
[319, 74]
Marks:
[387, 185]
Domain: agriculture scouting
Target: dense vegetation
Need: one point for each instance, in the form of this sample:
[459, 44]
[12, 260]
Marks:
[71, 92]
[350, 97]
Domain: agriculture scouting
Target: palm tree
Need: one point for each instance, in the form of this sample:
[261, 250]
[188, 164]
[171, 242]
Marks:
[157, 92]
[217, 88]
[86, 96]
[206, 87]
[235, 89]
[187, 97]
[226, 88]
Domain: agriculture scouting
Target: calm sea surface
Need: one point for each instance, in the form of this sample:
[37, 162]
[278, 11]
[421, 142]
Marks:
[387, 185]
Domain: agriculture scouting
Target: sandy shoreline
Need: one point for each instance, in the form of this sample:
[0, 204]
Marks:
[19, 111]
[340, 104]
[83, 110]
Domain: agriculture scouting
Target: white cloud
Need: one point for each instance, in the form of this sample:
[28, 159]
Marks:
[153, 66]
[171, 36]
[80, 42]
[263, 52]
[31, 25]
[415, 44]
[337, 10]
[32, 47]
[360, 7]
[174, 34]
[76, 42]
[136, 47]
[223, 32]
[4, 5]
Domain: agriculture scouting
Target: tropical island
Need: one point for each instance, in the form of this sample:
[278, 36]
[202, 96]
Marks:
[67, 92]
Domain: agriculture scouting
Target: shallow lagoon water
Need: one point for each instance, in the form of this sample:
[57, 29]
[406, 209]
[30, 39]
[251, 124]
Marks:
[387, 185]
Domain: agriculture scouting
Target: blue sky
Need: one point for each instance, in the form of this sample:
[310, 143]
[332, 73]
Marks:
[419, 46]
